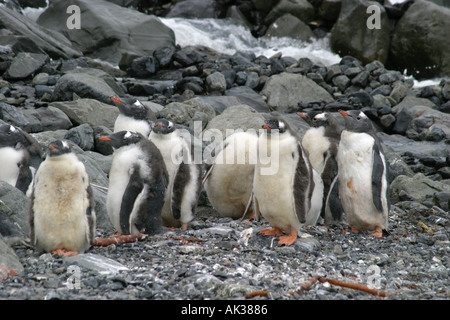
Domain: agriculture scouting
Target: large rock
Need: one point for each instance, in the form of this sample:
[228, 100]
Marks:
[301, 9]
[289, 26]
[420, 41]
[418, 188]
[9, 261]
[194, 9]
[15, 204]
[25, 65]
[83, 85]
[286, 90]
[108, 31]
[237, 117]
[90, 111]
[51, 42]
[351, 36]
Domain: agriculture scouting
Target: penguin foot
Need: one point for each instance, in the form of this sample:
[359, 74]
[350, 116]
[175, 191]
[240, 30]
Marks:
[355, 230]
[64, 252]
[290, 239]
[378, 233]
[184, 226]
[271, 232]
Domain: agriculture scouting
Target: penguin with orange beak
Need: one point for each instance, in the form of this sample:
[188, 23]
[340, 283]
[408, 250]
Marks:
[133, 116]
[363, 175]
[62, 210]
[287, 190]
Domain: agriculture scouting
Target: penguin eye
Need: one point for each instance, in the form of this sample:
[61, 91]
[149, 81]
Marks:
[358, 118]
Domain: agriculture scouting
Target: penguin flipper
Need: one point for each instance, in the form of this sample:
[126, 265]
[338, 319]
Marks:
[152, 221]
[90, 214]
[179, 189]
[377, 177]
[25, 178]
[333, 202]
[133, 189]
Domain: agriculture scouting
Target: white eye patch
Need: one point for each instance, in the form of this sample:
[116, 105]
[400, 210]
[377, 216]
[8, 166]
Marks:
[320, 116]
[127, 135]
[12, 129]
[362, 115]
[64, 143]
[281, 125]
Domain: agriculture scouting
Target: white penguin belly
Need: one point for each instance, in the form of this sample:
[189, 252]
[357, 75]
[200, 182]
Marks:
[316, 144]
[171, 150]
[274, 192]
[60, 205]
[124, 123]
[119, 176]
[9, 168]
[355, 180]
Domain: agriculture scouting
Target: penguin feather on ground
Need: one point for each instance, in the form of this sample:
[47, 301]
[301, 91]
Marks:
[287, 190]
[185, 176]
[62, 210]
[321, 142]
[363, 175]
[20, 157]
[137, 184]
[229, 179]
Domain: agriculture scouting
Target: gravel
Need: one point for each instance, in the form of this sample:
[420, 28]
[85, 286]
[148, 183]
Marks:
[223, 259]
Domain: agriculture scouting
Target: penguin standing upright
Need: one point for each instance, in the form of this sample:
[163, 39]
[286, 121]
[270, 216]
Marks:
[133, 116]
[20, 157]
[287, 190]
[185, 176]
[321, 142]
[228, 181]
[62, 209]
[363, 175]
[137, 184]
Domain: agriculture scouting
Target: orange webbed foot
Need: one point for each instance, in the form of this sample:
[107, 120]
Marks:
[355, 230]
[289, 239]
[271, 232]
[64, 252]
[378, 233]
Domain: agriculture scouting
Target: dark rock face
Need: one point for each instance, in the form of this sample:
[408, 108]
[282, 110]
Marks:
[420, 42]
[351, 36]
[108, 31]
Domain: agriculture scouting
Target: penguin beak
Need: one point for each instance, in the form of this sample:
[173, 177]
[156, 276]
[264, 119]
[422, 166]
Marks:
[51, 147]
[104, 138]
[116, 100]
[301, 114]
[266, 127]
[344, 113]
[159, 125]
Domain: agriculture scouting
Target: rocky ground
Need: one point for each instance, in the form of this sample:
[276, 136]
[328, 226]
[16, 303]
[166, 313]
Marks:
[49, 88]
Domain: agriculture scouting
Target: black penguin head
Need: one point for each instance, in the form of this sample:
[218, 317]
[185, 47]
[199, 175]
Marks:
[122, 138]
[357, 121]
[163, 126]
[58, 148]
[316, 118]
[11, 136]
[278, 125]
[132, 108]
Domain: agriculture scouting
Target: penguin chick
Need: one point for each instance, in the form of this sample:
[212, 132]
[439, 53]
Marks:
[137, 184]
[321, 142]
[62, 210]
[185, 176]
[228, 181]
[363, 175]
[20, 156]
[133, 116]
[287, 191]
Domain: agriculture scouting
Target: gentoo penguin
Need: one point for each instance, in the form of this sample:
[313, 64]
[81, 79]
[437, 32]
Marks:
[20, 156]
[321, 141]
[62, 210]
[287, 190]
[363, 175]
[137, 184]
[228, 180]
[133, 116]
[185, 176]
